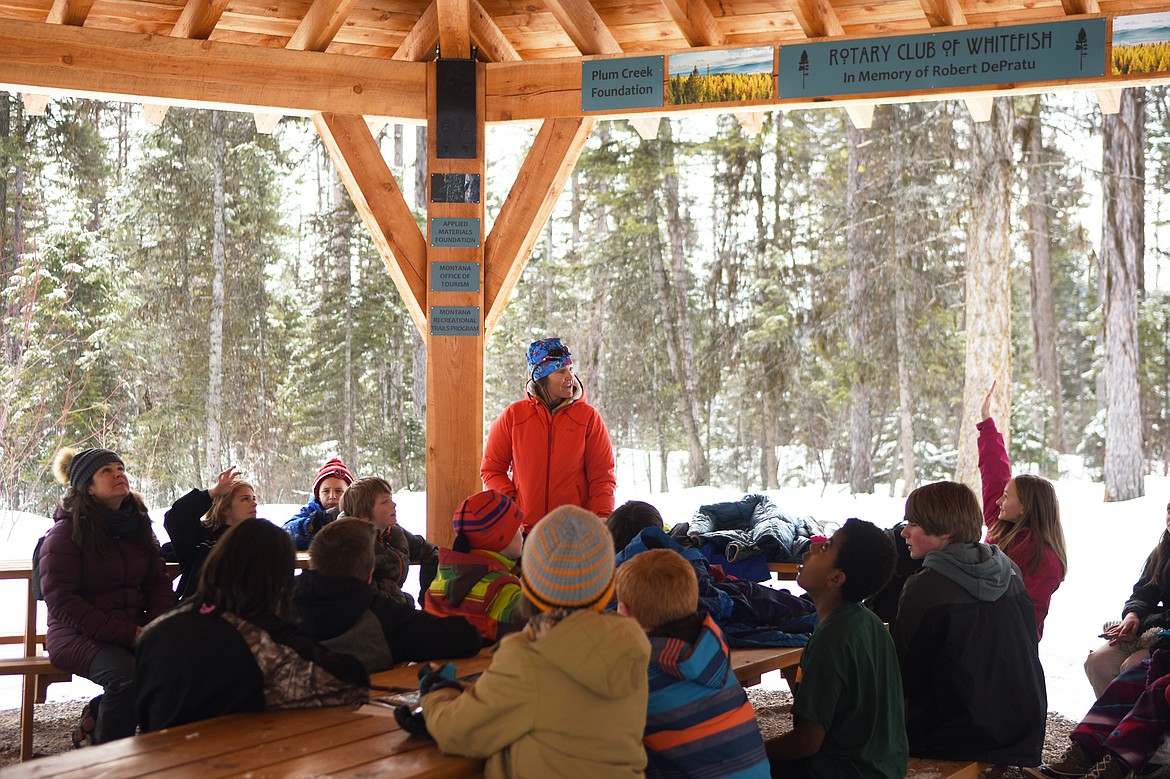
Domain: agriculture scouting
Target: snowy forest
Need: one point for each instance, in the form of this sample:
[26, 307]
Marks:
[194, 293]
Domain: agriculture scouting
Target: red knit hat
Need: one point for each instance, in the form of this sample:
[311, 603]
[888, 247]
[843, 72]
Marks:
[333, 468]
[488, 520]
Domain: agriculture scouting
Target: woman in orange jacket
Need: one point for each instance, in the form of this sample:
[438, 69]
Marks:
[552, 448]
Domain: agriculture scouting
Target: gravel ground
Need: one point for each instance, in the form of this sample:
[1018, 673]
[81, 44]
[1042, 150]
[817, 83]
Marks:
[54, 721]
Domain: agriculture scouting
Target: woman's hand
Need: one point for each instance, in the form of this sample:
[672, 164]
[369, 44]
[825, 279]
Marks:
[985, 409]
[224, 482]
[1126, 631]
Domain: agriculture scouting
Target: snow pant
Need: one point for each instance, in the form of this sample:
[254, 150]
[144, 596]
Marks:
[1131, 719]
[113, 669]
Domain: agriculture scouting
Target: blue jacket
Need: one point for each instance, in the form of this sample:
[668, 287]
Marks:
[298, 526]
[748, 613]
[699, 722]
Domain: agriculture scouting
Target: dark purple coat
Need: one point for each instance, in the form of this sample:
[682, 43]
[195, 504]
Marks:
[96, 602]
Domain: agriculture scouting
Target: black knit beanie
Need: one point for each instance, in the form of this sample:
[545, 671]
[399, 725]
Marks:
[86, 463]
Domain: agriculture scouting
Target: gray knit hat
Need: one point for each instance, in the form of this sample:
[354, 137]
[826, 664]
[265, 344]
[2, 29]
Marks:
[568, 561]
[86, 463]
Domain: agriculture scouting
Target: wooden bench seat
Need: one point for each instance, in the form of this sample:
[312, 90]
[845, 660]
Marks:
[923, 768]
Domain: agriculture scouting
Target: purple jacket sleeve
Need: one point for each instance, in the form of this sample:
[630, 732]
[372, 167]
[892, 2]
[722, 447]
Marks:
[995, 469]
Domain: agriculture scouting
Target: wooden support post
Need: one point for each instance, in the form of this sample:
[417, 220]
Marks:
[455, 362]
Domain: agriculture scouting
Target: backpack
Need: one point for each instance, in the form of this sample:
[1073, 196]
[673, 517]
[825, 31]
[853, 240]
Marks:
[35, 579]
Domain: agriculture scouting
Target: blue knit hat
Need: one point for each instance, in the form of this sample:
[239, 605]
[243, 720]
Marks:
[547, 356]
[568, 561]
[489, 520]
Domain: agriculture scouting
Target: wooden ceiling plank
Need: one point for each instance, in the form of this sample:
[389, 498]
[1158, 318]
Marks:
[584, 27]
[420, 41]
[695, 21]
[489, 37]
[646, 126]
[198, 19]
[752, 122]
[320, 25]
[539, 183]
[73, 12]
[454, 19]
[817, 18]
[380, 204]
[87, 62]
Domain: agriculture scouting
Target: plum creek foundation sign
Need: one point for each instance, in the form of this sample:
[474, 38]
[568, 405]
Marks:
[629, 82]
[1053, 51]
[451, 233]
[454, 320]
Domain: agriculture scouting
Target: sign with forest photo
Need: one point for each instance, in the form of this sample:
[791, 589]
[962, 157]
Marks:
[723, 76]
[1141, 43]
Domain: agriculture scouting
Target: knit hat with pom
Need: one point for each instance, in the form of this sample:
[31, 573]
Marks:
[488, 520]
[334, 468]
[76, 467]
[568, 561]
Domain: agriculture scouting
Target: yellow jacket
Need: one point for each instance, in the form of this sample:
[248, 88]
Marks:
[566, 701]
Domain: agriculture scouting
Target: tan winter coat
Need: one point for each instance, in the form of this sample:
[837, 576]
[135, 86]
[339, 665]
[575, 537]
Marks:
[568, 701]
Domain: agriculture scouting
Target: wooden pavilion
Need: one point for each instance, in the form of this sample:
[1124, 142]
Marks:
[459, 64]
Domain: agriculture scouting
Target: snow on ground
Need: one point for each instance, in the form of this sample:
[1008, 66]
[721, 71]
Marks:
[1107, 543]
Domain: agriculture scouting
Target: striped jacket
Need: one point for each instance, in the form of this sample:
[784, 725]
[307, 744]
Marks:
[481, 586]
[699, 724]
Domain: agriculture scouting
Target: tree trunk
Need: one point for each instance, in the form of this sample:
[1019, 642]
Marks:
[1040, 247]
[420, 168]
[903, 338]
[769, 468]
[1122, 247]
[214, 462]
[341, 296]
[673, 294]
[988, 284]
[858, 252]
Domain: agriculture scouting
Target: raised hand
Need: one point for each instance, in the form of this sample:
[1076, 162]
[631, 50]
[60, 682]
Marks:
[224, 482]
[986, 408]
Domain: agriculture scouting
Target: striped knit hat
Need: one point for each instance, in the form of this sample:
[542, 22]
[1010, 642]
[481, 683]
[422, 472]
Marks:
[86, 463]
[488, 520]
[334, 468]
[568, 561]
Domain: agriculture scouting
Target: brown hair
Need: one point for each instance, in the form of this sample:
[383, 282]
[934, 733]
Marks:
[216, 516]
[1041, 515]
[358, 501]
[658, 586]
[343, 549]
[249, 573]
[91, 528]
[1153, 566]
[946, 507]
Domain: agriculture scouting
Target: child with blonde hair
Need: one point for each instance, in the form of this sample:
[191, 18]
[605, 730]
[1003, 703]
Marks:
[699, 722]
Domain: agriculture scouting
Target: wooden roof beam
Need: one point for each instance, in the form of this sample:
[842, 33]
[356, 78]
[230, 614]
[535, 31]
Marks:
[817, 18]
[108, 65]
[380, 204]
[1109, 100]
[320, 25]
[584, 27]
[454, 19]
[420, 42]
[539, 183]
[948, 13]
[73, 12]
[198, 19]
[489, 37]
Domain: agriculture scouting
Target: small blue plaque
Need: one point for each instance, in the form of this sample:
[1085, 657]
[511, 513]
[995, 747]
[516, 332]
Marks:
[454, 277]
[630, 82]
[455, 320]
[449, 233]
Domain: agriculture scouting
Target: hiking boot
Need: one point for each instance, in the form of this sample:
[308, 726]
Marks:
[82, 733]
[1109, 767]
[1074, 762]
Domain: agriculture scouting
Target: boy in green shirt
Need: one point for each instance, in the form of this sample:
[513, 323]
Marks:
[848, 716]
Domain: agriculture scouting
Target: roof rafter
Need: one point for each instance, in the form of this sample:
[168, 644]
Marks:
[454, 28]
[320, 24]
[72, 12]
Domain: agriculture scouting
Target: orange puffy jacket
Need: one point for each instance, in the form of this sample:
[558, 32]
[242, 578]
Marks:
[555, 458]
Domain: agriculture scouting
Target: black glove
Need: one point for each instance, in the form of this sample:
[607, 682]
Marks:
[320, 518]
[430, 680]
[411, 721]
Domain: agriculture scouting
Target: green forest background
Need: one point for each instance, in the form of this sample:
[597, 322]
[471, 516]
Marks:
[700, 279]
